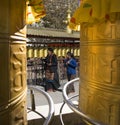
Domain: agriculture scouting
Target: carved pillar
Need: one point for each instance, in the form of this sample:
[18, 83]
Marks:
[100, 71]
[12, 63]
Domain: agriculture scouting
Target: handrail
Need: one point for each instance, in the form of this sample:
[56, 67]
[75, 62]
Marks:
[50, 102]
[63, 106]
[74, 108]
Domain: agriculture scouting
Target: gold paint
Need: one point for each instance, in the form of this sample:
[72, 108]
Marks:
[100, 71]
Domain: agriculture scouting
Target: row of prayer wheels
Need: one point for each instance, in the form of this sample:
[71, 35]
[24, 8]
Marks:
[33, 52]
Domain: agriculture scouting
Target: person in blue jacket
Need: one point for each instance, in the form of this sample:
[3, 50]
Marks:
[70, 64]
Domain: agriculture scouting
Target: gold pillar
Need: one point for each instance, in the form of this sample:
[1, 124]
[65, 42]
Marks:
[100, 71]
[12, 63]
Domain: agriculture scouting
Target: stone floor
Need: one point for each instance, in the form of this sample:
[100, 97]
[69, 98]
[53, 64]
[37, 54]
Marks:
[57, 97]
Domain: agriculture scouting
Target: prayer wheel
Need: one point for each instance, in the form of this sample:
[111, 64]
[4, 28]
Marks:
[67, 49]
[56, 51]
[35, 52]
[28, 48]
[78, 52]
[100, 71]
[72, 49]
[38, 52]
[13, 86]
[41, 52]
[30, 52]
[59, 51]
[63, 51]
[45, 52]
[75, 52]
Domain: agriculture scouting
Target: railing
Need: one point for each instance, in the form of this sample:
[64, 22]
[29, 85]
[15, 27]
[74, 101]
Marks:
[50, 102]
[61, 117]
[73, 106]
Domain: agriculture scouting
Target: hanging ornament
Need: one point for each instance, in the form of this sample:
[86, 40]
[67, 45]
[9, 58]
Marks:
[35, 11]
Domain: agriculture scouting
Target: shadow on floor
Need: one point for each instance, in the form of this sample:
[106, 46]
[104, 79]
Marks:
[68, 119]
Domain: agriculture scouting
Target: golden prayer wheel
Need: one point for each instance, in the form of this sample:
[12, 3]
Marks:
[72, 49]
[41, 52]
[30, 52]
[63, 51]
[100, 71]
[75, 52]
[59, 52]
[13, 86]
[78, 51]
[56, 51]
[38, 52]
[45, 52]
[67, 49]
[35, 52]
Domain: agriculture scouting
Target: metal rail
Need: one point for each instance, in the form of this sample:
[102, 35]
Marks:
[61, 118]
[74, 108]
[50, 102]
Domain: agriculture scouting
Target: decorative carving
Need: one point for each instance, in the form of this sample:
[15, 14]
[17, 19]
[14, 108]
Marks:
[19, 114]
[18, 67]
[13, 65]
[109, 73]
[18, 83]
[99, 106]
[100, 31]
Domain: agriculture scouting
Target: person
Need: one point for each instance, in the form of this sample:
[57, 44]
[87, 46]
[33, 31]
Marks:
[51, 73]
[70, 63]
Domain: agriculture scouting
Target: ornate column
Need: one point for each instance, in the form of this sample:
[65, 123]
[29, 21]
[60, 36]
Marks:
[100, 70]
[13, 62]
